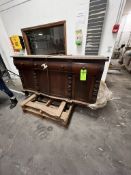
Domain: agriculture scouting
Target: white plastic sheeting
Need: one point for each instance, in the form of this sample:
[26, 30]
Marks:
[104, 95]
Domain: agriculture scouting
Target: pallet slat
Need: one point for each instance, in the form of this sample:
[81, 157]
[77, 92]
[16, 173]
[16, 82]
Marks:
[46, 109]
[28, 99]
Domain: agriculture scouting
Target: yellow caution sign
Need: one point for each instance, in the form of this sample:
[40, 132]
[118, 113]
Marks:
[15, 40]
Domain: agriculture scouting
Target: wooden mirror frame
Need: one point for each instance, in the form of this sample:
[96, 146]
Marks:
[24, 30]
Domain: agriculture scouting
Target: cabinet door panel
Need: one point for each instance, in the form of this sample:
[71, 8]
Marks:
[42, 81]
[87, 90]
[28, 79]
[58, 83]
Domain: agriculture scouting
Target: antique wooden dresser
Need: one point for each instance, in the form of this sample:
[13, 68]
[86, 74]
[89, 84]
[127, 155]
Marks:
[72, 78]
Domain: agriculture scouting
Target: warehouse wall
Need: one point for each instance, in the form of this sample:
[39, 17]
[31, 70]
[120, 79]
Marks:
[124, 34]
[6, 48]
[108, 38]
[36, 12]
[17, 14]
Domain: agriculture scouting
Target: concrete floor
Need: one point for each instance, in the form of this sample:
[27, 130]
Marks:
[96, 142]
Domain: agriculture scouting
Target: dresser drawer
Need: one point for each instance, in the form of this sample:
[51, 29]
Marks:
[92, 69]
[53, 66]
[23, 64]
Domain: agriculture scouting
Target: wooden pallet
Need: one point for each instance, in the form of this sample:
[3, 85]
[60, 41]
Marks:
[59, 111]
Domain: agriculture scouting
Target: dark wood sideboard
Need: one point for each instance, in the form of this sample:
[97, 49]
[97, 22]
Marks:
[59, 76]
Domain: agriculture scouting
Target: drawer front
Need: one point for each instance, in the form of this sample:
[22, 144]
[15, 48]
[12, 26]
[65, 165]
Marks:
[23, 64]
[92, 69]
[53, 66]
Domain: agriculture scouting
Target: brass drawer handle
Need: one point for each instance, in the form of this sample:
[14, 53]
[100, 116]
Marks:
[44, 66]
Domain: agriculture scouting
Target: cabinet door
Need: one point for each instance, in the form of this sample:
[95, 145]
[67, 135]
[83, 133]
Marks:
[42, 81]
[86, 90]
[28, 79]
[54, 79]
[58, 78]
[27, 73]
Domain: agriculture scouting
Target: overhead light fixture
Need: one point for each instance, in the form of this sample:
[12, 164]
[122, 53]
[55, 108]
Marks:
[40, 34]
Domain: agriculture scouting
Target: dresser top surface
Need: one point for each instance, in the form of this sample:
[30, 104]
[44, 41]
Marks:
[63, 57]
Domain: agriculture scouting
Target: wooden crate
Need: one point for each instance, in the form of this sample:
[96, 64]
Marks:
[56, 110]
